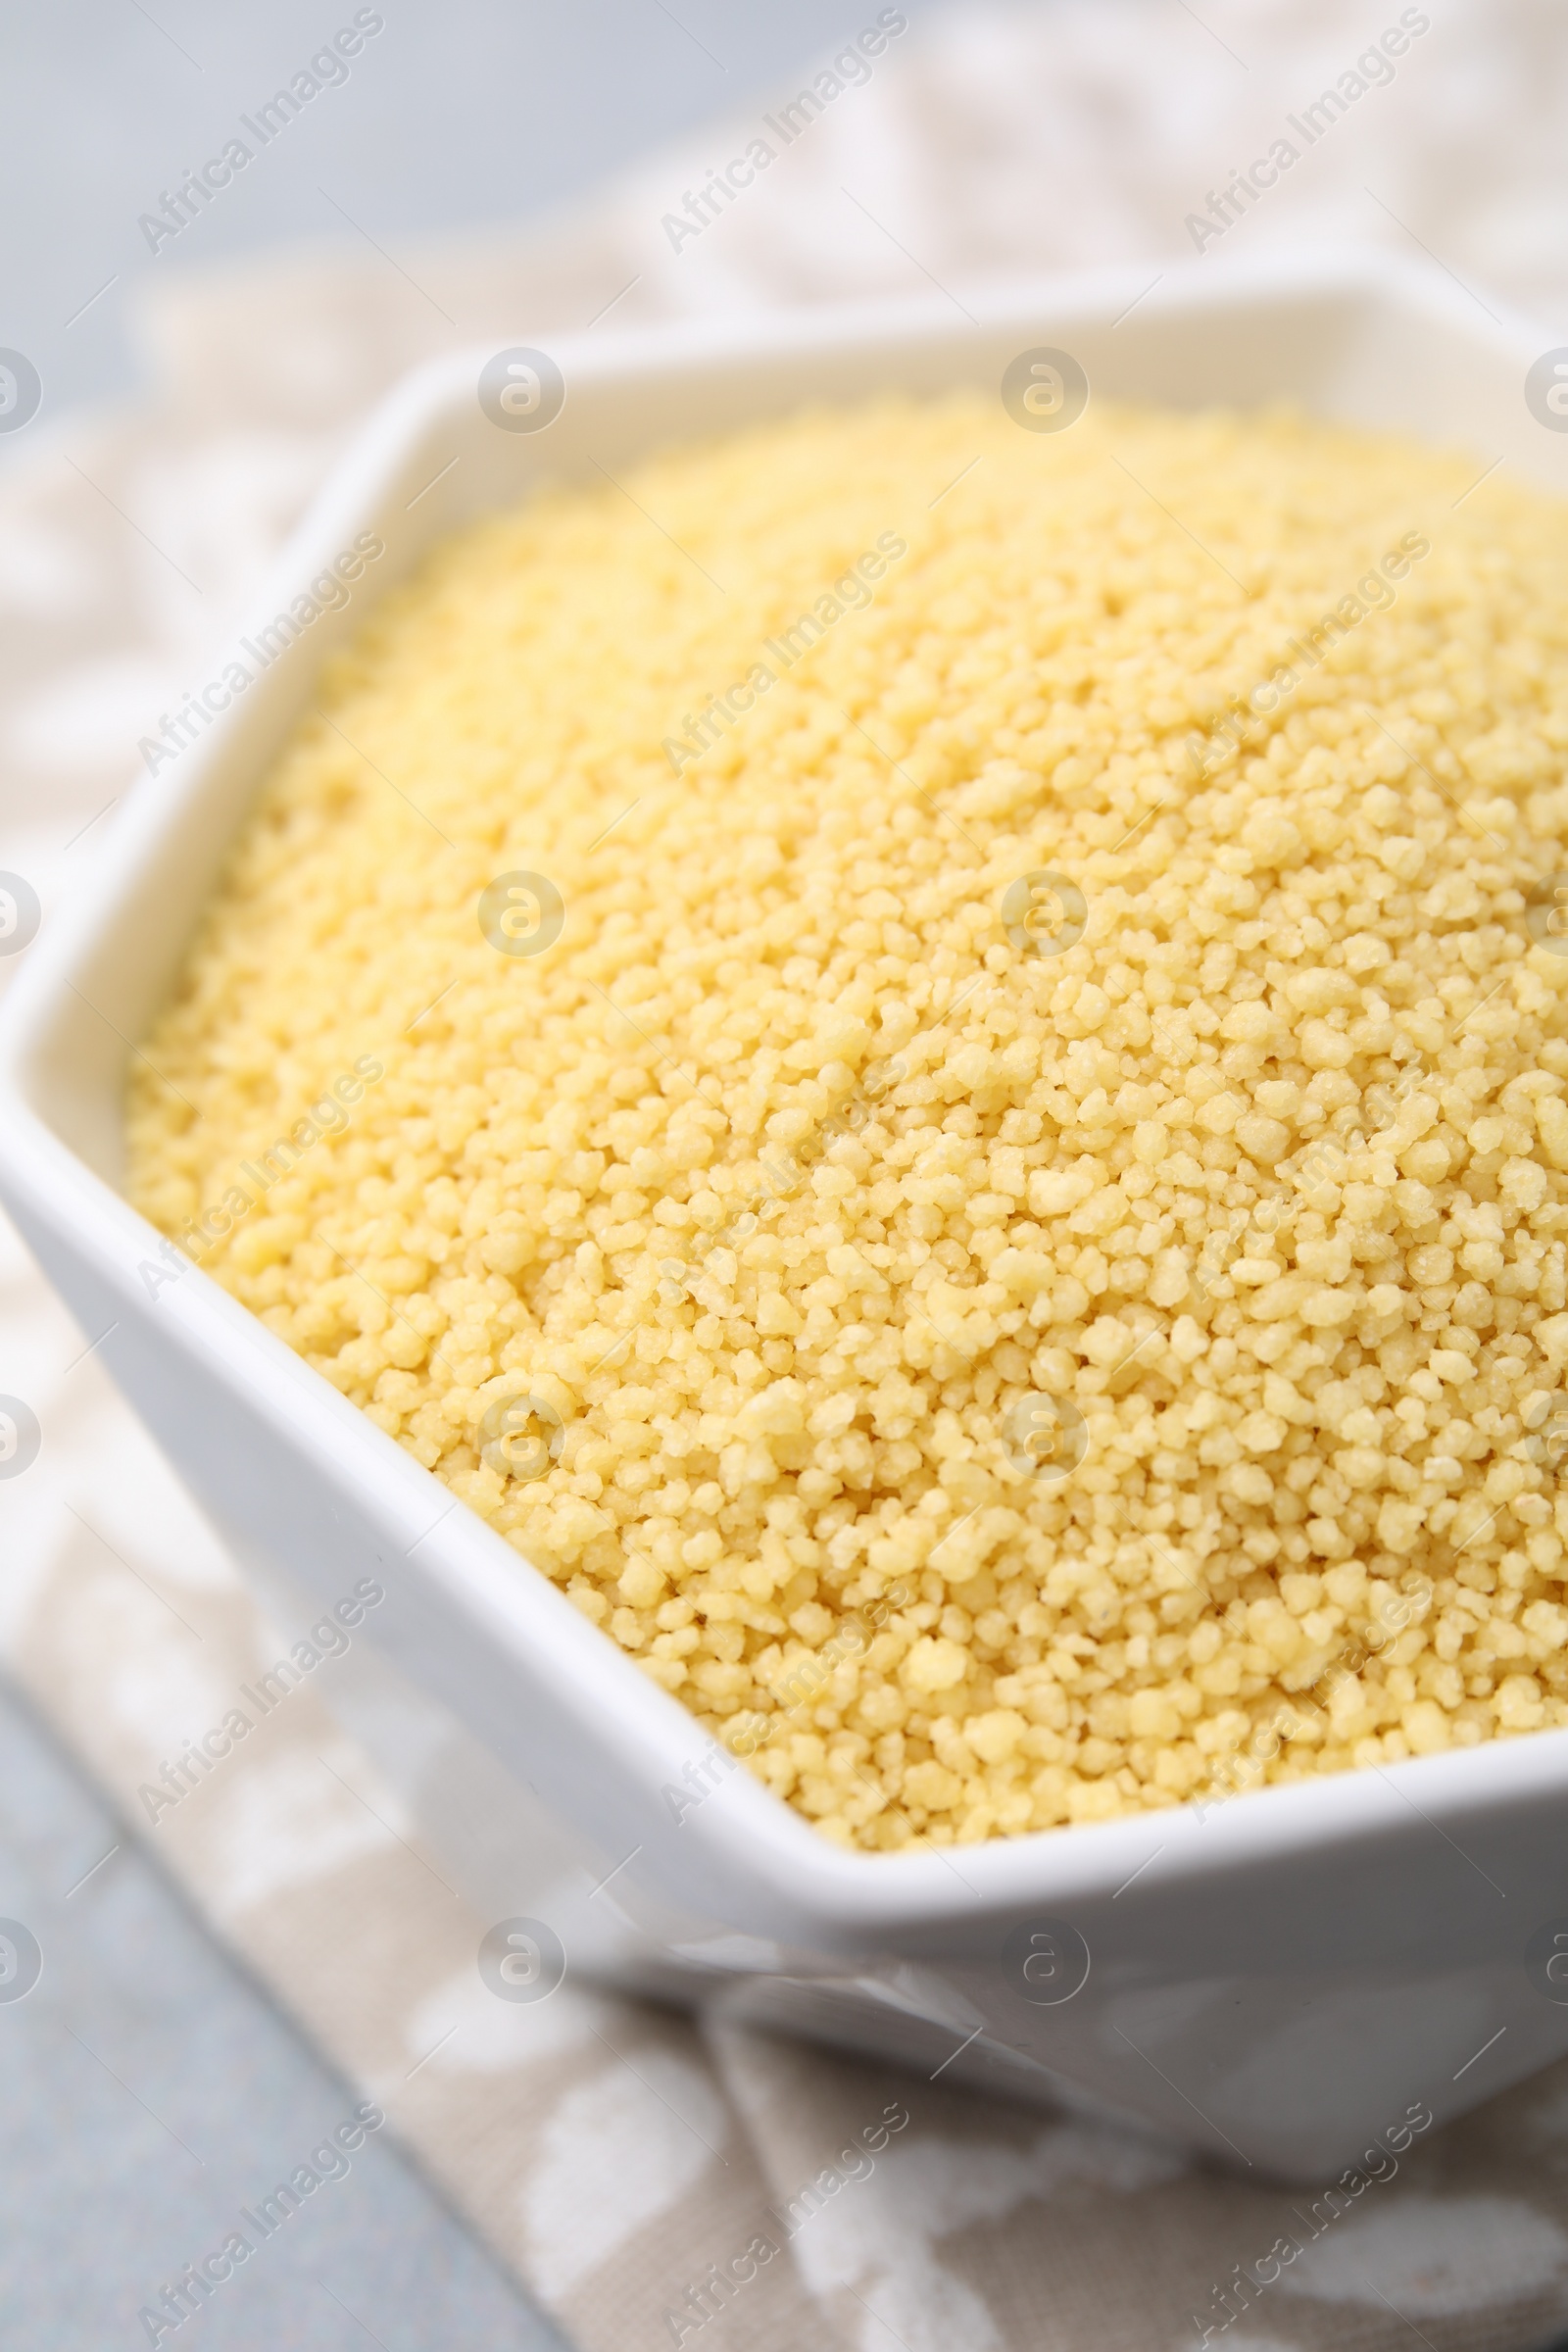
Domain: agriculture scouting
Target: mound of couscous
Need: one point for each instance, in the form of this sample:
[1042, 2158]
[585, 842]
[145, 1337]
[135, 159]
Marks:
[913, 1053]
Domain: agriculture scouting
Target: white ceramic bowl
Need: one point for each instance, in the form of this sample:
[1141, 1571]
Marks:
[1277, 1980]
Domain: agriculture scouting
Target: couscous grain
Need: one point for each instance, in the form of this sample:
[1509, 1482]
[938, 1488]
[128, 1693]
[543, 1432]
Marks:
[988, 1195]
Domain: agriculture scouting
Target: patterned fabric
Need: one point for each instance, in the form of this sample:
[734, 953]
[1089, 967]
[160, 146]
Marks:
[653, 2179]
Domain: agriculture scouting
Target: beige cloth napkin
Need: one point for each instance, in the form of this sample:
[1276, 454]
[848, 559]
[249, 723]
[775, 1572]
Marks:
[614, 2155]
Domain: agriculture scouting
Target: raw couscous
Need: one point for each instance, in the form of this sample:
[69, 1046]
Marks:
[914, 1054]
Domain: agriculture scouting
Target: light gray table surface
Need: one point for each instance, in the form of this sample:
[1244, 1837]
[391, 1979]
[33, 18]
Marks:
[149, 2091]
[470, 114]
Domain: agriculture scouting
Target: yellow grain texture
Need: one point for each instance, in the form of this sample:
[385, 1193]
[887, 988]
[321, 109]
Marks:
[791, 1180]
